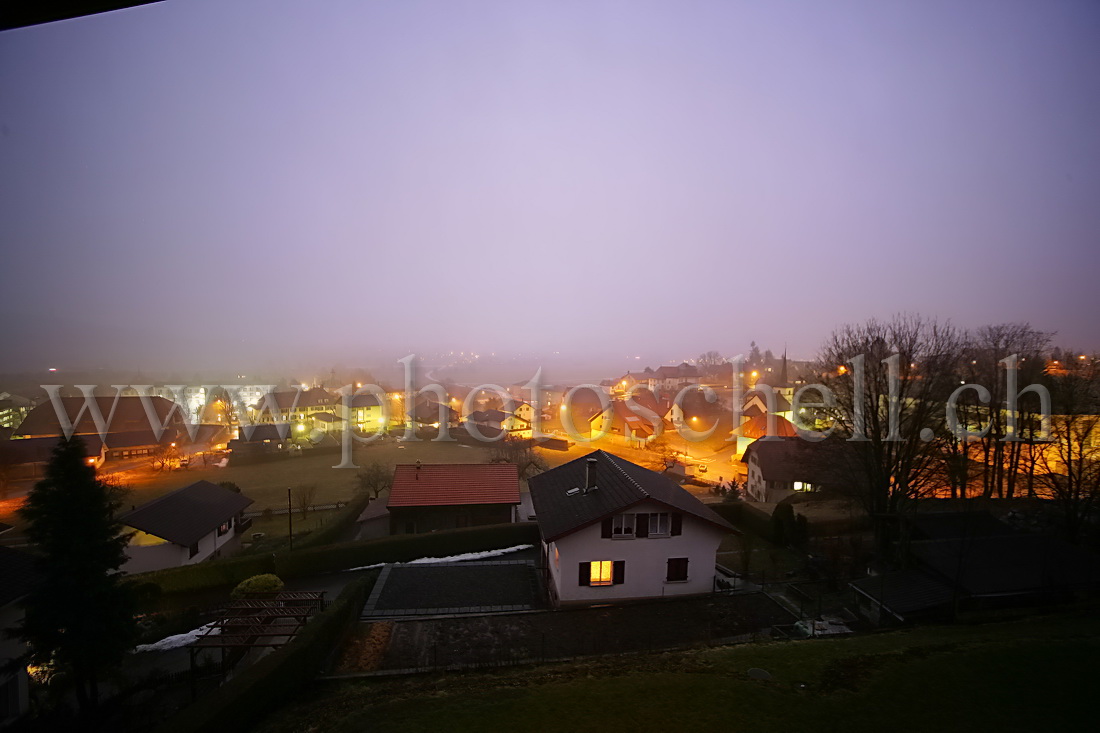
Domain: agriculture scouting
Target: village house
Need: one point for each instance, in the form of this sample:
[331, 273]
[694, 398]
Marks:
[779, 467]
[292, 405]
[761, 426]
[431, 497]
[128, 416]
[13, 409]
[548, 397]
[622, 425]
[674, 378]
[363, 412]
[327, 422]
[185, 527]
[430, 412]
[614, 531]
[29, 456]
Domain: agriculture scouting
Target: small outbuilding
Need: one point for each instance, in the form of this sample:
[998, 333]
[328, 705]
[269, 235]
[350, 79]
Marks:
[187, 526]
[431, 497]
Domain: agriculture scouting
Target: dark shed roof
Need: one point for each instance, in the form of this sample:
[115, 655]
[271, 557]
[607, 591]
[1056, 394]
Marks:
[187, 515]
[622, 484]
[1008, 564]
[905, 592]
[949, 525]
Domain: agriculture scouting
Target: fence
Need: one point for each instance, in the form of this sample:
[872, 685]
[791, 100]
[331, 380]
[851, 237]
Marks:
[477, 642]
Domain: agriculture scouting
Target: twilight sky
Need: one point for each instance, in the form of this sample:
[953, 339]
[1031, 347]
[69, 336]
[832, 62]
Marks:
[222, 182]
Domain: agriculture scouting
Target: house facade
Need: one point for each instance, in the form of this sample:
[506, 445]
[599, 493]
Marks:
[187, 526]
[363, 412]
[780, 467]
[292, 405]
[623, 425]
[614, 531]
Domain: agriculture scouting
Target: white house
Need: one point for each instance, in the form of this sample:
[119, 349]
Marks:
[614, 531]
[781, 466]
[187, 526]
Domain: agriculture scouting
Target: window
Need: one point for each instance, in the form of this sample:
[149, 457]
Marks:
[602, 572]
[225, 527]
[623, 526]
[192, 550]
[658, 524]
[677, 569]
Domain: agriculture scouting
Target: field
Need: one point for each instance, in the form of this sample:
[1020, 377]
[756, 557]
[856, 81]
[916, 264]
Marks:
[1026, 675]
[266, 483]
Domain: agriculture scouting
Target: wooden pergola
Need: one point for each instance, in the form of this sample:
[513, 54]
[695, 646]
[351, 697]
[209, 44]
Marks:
[257, 621]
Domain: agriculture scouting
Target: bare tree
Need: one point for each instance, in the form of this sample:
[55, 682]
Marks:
[303, 495]
[374, 479]
[162, 456]
[997, 460]
[891, 380]
[521, 452]
[1071, 460]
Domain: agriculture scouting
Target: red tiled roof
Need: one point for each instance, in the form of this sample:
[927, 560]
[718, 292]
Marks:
[446, 484]
[757, 427]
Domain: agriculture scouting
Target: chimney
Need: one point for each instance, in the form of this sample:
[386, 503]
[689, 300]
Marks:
[590, 474]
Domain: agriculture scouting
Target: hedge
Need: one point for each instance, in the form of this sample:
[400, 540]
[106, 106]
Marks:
[300, 562]
[336, 527]
[261, 687]
[402, 548]
[745, 517]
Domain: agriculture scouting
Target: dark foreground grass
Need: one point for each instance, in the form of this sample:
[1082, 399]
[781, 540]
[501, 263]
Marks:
[1031, 675]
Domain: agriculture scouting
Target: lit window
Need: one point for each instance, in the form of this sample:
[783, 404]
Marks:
[600, 572]
[623, 526]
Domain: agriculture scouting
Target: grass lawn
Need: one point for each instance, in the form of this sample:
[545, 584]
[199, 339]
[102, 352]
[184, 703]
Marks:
[1028, 675]
[266, 483]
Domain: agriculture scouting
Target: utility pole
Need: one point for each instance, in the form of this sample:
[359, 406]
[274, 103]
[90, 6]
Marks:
[290, 517]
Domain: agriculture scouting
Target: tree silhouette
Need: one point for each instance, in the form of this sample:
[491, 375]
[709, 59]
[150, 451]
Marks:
[80, 618]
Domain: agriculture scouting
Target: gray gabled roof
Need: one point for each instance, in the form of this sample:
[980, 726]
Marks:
[998, 565]
[621, 485]
[905, 592]
[187, 515]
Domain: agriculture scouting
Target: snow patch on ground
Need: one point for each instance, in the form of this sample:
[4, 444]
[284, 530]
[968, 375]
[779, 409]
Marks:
[450, 558]
[174, 642]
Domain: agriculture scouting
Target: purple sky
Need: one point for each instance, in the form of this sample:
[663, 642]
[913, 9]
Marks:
[226, 182]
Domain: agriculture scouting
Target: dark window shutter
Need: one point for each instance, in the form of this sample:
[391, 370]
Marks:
[618, 572]
[585, 577]
[605, 528]
[677, 523]
[641, 525]
[677, 568]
